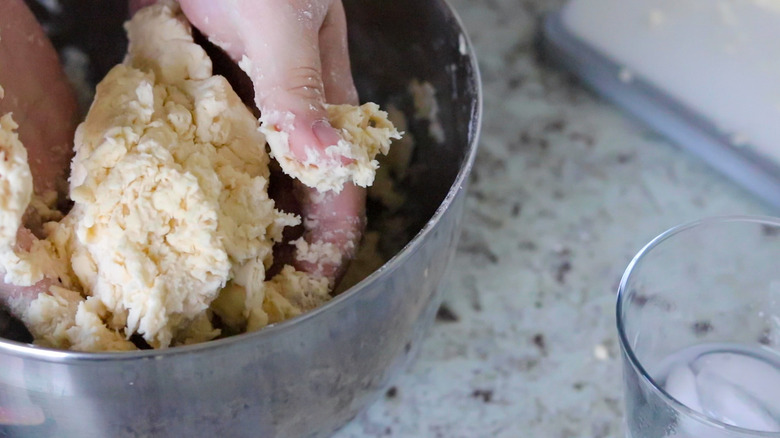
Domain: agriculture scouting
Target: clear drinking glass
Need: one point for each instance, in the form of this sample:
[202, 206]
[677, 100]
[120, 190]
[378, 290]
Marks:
[698, 317]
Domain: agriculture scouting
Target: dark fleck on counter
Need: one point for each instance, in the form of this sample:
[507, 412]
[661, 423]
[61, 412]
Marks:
[445, 314]
[641, 300]
[540, 343]
[555, 125]
[563, 269]
[527, 246]
[624, 158]
[392, 392]
[516, 209]
[701, 328]
[585, 139]
[770, 231]
[485, 394]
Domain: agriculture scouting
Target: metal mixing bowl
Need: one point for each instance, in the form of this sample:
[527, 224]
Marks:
[310, 375]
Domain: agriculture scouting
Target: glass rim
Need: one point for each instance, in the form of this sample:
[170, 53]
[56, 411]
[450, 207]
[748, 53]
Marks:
[623, 339]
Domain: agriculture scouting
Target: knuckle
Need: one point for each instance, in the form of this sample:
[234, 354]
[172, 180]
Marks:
[305, 83]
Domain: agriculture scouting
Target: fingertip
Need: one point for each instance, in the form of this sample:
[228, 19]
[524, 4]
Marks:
[332, 219]
[25, 238]
[325, 133]
[328, 136]
[309, 140]
[334, 54]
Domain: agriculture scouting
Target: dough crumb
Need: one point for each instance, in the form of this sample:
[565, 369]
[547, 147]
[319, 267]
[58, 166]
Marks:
[15, 181]
[365, 133]
[427, 108]
[394, 166]
[61, 318]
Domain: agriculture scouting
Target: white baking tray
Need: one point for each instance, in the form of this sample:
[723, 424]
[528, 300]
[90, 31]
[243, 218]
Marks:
[758, 173]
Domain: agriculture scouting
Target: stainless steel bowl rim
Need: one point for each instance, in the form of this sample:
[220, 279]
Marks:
[29, 351]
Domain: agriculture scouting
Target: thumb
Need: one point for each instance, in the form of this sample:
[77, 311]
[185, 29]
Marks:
[277, 43]
[283, 61]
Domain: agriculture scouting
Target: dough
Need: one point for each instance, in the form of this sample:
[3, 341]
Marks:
[365, 131]
[171, 223]
[427, 108]
[15, 184]
[23, 267]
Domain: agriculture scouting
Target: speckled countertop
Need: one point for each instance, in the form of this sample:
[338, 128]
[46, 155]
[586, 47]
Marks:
[565, 190]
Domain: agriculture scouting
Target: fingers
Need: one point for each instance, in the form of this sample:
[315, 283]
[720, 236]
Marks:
[295, 53]
[333, 224]
[216, 20]
[335, 220]
[339, 219]
[36, 91]
[286, 70]
[334, 54]
[18, 298]
[278, 44]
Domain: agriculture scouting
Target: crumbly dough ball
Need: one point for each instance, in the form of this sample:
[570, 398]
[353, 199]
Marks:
[15, 181]
[15, 185]
[300, 290]
[394, 166]
[365, 131]
[427, 108]
[288, 294]
[61, 318]
[22, 266]
[171, 222]
[169, 182]
[160, 41]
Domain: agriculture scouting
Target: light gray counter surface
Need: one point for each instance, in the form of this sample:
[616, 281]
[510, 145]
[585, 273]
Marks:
[565, 190]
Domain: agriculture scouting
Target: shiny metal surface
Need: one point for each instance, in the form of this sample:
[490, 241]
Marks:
[310, 375]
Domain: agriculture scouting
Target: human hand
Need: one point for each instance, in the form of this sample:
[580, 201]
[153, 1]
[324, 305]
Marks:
[42, 103]
[298, 58]
[38, 94]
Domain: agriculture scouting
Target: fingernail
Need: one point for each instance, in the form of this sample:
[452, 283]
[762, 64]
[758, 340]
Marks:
[325, 133]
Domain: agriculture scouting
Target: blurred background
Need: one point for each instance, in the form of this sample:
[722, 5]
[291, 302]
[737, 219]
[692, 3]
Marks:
[566, 189]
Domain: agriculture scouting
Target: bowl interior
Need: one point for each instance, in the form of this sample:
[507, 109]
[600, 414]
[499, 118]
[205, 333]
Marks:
[416, 44]
[309, 375]
[418, 41]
